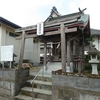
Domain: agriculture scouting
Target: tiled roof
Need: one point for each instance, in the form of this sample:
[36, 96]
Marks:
[5, 21]
[95, 32]
[66, 16]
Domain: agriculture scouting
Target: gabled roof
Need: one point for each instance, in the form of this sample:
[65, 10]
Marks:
[53, 12]
[66, 16]
[5, 21]
[70, 20]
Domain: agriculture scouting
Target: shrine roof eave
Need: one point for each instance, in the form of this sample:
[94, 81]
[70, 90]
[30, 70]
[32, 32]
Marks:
[54, 26]
[78, 18]
[71, 28]
[79, 24]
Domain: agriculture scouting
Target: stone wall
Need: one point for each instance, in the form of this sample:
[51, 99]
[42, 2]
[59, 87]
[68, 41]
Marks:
[75, 88]
[11, 80]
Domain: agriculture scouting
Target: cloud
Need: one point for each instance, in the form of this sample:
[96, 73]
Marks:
[30, 12]
[23, 12]
[73, 6]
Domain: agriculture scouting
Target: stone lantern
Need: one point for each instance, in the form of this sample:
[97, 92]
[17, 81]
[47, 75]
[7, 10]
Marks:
[93, 59]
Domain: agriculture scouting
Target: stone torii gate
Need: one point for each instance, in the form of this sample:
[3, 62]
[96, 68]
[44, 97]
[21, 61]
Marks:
[66, 29]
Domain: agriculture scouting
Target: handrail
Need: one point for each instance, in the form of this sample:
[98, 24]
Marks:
[48, 59]
[32, 82]
[35, 76]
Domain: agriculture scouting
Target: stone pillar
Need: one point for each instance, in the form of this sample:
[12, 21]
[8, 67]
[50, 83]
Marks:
[22, 50]
[68, 55]
[73, 47]
[45, 55]
[63, 48]
[74, 63]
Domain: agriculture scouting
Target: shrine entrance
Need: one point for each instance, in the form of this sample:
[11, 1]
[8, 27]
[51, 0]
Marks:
[66, 33]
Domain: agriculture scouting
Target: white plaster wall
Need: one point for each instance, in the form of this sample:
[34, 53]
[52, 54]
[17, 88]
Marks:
[16, 43]
[0, 41]
[32, 51]
[97, 42]
[8, 40]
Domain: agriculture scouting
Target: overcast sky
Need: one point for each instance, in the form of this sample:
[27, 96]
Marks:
[30, 12]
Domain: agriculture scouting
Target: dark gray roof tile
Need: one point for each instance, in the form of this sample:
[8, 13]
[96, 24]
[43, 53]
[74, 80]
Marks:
[95, 32]
[9, 23]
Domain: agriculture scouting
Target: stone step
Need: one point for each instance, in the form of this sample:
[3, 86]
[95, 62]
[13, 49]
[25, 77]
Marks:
[24, 97]
[38, 91]
[40, 82]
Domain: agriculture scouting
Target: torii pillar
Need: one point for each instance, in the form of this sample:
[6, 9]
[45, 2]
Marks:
[63, 47]
[22, 50]
[68, 69]
[45, 55]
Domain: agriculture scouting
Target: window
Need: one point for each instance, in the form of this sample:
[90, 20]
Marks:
[13, 34]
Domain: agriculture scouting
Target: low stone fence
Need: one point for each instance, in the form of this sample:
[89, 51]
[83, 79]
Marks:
[11, 80]
[68, 86]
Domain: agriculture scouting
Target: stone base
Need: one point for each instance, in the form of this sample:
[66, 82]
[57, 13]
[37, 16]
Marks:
[94, 69]
[68, 69]
[70, 87]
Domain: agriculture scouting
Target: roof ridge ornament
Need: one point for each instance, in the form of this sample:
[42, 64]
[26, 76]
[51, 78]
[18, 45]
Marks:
[54, 9]
[82, 11]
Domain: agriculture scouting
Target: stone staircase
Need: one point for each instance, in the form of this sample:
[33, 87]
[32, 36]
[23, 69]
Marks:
[42, 90]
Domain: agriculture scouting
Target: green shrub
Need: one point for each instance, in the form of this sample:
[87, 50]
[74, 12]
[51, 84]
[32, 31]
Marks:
[75, 70]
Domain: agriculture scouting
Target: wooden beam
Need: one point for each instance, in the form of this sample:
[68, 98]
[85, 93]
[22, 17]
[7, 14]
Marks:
[63, 48]
[18, 37]
[52, 33]
[22, 50]
[49, 33]
[26, 36]
[53, 39]
[26, 28]
[66, 30]
[58, 22]
[31, 36]
[70, 30]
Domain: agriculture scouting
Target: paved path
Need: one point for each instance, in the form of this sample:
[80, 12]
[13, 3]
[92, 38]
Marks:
[51, 66]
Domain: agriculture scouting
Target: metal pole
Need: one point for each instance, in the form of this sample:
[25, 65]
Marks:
[32, 90]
